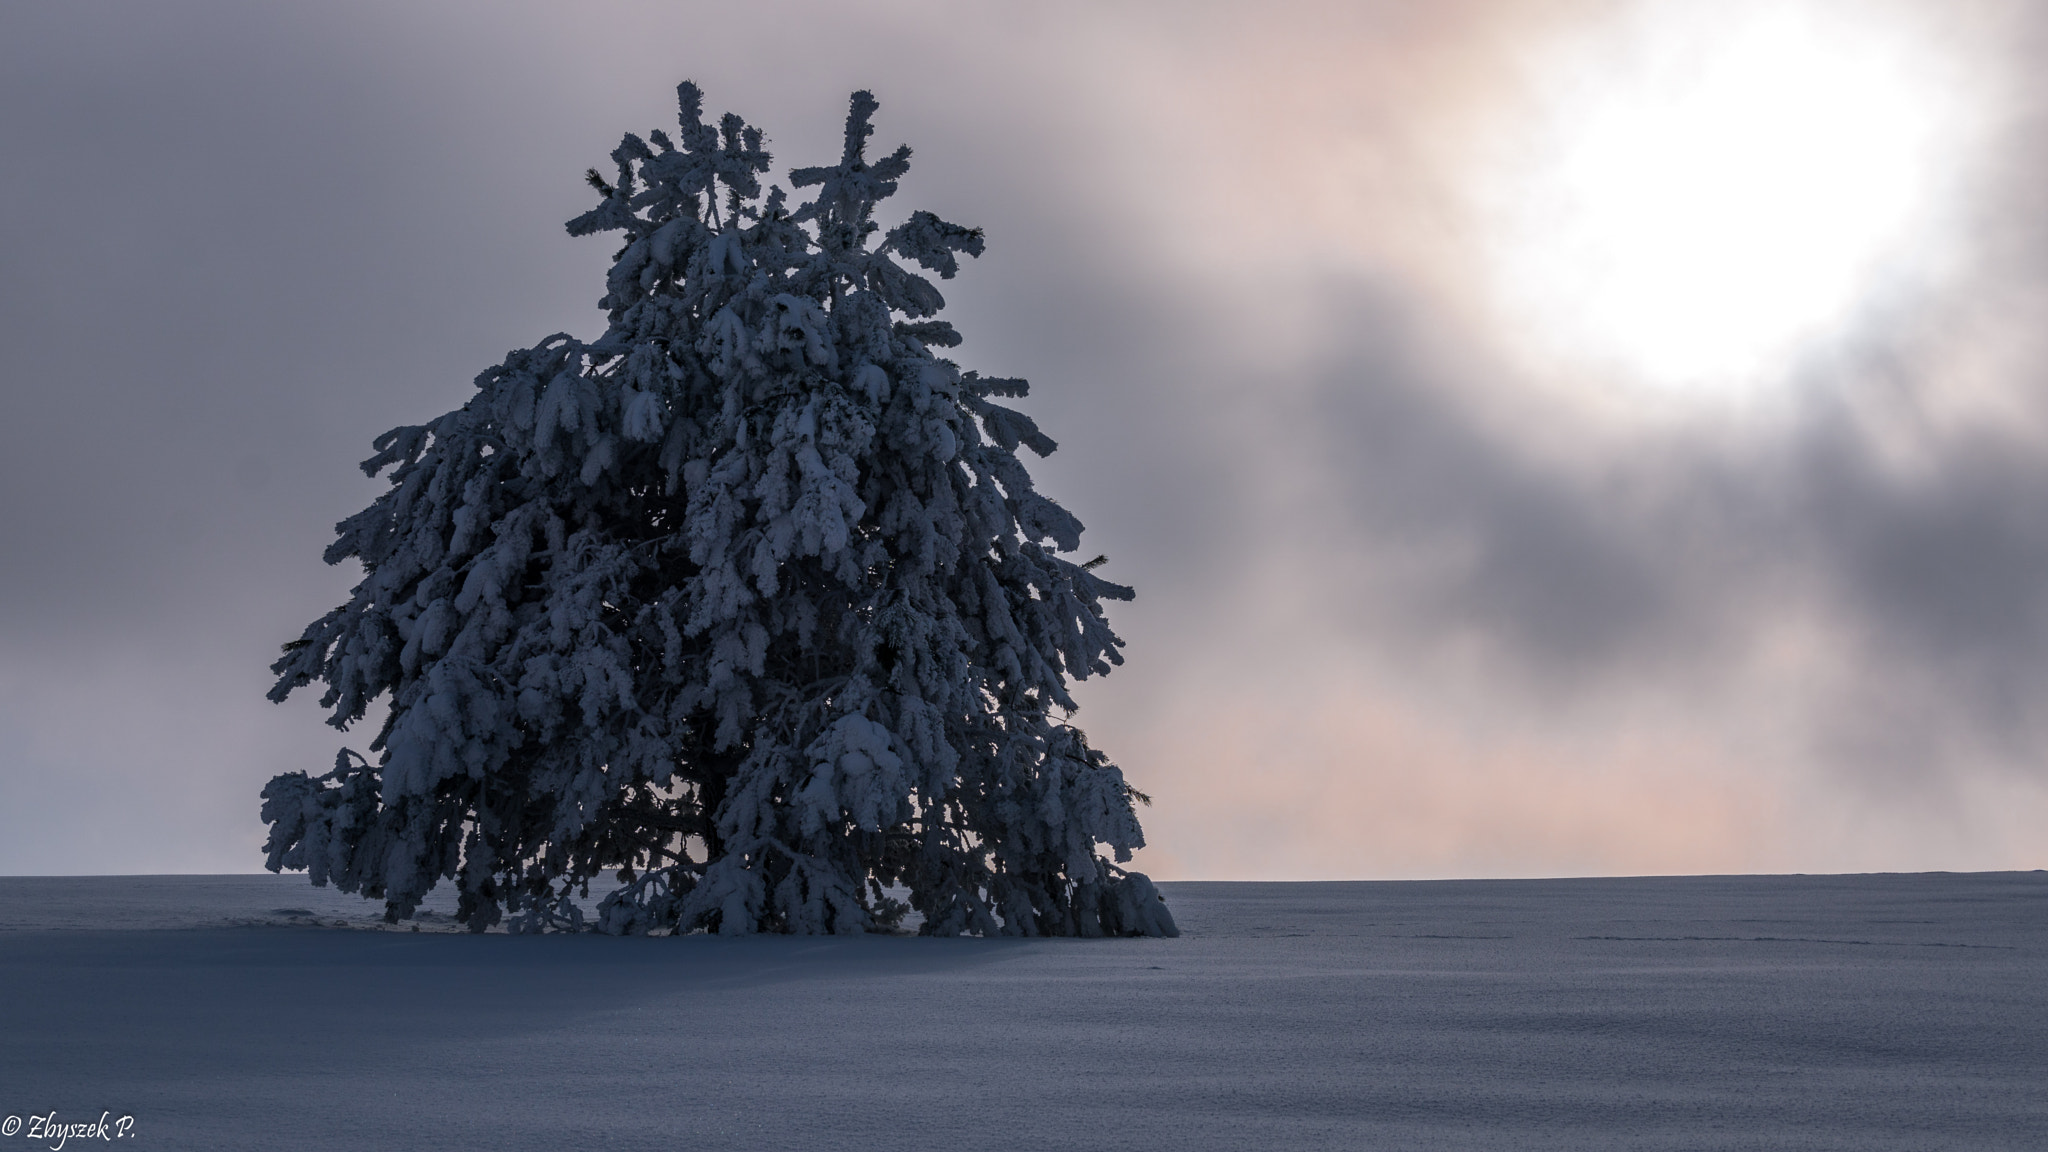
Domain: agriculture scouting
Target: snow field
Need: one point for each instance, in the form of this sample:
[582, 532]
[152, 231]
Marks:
[1830, 1012]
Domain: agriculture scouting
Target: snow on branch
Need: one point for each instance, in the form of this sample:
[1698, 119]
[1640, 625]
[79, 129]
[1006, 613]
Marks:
[748, 606]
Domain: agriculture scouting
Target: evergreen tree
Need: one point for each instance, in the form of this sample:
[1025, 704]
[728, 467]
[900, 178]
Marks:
[750, 600]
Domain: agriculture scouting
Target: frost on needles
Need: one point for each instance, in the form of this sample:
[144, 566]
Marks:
[749, 603]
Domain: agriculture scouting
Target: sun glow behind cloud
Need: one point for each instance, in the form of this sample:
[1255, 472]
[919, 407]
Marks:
[1696, 196]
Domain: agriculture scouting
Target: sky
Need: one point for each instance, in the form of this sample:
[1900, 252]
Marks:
[1562, 438]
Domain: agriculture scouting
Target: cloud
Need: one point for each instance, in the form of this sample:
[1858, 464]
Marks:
[1827, 605]
[1404, 607]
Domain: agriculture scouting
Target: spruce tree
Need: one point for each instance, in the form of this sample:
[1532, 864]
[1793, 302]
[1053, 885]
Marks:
[749, 604]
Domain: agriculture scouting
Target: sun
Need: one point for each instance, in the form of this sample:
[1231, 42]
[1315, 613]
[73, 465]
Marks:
[1697, 195]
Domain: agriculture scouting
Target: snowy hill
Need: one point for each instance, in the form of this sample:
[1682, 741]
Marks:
[1823, 1012]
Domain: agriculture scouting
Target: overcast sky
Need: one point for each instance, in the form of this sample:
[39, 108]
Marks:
[1465, 546]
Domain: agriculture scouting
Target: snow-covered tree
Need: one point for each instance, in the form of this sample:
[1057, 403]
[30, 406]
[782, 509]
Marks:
[750, 601]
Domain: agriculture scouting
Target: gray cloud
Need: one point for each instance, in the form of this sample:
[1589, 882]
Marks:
[239, 241]
[1559, 571]
[1661, 566]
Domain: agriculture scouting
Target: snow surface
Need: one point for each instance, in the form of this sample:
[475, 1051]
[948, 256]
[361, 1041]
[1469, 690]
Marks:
[1810, 1012]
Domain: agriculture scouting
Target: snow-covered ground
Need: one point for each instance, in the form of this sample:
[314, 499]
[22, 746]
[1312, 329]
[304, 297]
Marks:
[1837, 1012]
